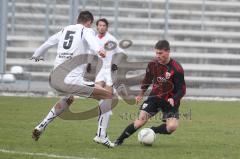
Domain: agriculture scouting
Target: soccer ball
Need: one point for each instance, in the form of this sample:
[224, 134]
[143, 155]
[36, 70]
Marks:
[146, 136]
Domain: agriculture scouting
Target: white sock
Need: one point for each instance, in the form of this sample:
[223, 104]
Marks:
[56, 110]
[104, 116]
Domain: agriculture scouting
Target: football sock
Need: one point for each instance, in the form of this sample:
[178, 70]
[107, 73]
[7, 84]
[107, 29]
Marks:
[104, 116]
[56, 110]
[103, 125]
[130, 129]
[162, 129]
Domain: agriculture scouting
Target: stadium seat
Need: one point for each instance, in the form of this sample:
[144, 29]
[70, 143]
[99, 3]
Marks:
[8, 78]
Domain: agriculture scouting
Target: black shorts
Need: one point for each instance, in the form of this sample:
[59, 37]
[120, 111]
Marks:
[153, 105]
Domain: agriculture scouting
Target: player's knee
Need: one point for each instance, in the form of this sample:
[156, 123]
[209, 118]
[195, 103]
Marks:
[70, 100]
[109, 95]
[138, 123]
[106, 94]
[172, 126]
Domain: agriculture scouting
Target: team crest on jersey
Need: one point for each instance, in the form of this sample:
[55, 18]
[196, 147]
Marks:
[161, 79]
[167, 75]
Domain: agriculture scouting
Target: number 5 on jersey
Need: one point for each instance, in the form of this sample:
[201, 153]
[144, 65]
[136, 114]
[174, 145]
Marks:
[68, 39]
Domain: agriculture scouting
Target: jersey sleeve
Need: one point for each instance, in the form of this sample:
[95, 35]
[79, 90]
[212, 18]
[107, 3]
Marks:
[147, 81]
[179, 86]
[53, 40]
[118, 52]
[89, 36]
[117, 49]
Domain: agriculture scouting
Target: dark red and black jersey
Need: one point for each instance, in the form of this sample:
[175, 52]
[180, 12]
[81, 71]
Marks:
[168, 80]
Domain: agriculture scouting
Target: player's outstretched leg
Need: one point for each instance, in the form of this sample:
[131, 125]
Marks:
[129, 130]
[132, 128]
[56, 110]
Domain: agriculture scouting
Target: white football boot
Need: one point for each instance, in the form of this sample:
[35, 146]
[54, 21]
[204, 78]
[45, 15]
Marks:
[103, 140]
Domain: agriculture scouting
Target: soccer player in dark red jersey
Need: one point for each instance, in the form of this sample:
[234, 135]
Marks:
[168, 87]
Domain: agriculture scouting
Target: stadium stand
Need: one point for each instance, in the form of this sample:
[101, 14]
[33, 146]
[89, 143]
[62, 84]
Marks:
[204, 39]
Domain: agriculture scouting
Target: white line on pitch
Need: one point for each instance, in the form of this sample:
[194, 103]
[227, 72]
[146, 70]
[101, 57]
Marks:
[42, 154]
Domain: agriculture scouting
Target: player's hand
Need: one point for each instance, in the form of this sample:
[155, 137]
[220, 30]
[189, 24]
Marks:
[114, 67]
[89, 68]
[102, 53]
[138, 98]
[37, 59]
[171, 101]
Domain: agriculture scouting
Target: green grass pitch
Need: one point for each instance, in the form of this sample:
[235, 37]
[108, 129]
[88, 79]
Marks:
[212, 132]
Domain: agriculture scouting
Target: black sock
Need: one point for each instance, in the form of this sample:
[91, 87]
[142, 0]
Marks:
[130, 129]
[162, 129]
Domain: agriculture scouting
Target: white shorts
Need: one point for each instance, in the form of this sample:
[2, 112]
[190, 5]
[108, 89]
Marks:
[72, 83]
[85, 88]
[105, 75]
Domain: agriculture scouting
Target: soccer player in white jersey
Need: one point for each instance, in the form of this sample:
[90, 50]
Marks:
[72, 41]
[104, 78]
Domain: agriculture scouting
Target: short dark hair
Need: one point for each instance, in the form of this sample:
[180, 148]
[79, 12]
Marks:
[85, 16]
[162, 45]
[102, 20]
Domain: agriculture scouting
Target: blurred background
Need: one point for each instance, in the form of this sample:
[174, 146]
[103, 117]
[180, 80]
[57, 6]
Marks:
[204, 37]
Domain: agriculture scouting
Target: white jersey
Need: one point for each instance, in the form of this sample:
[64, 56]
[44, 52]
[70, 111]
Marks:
[105, 73]
[72, 40]
[102, 41]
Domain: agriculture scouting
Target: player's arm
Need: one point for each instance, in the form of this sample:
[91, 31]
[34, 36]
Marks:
[179, 86]
[139, 97]
[118, 55]
[146, 82]
[39, 52]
